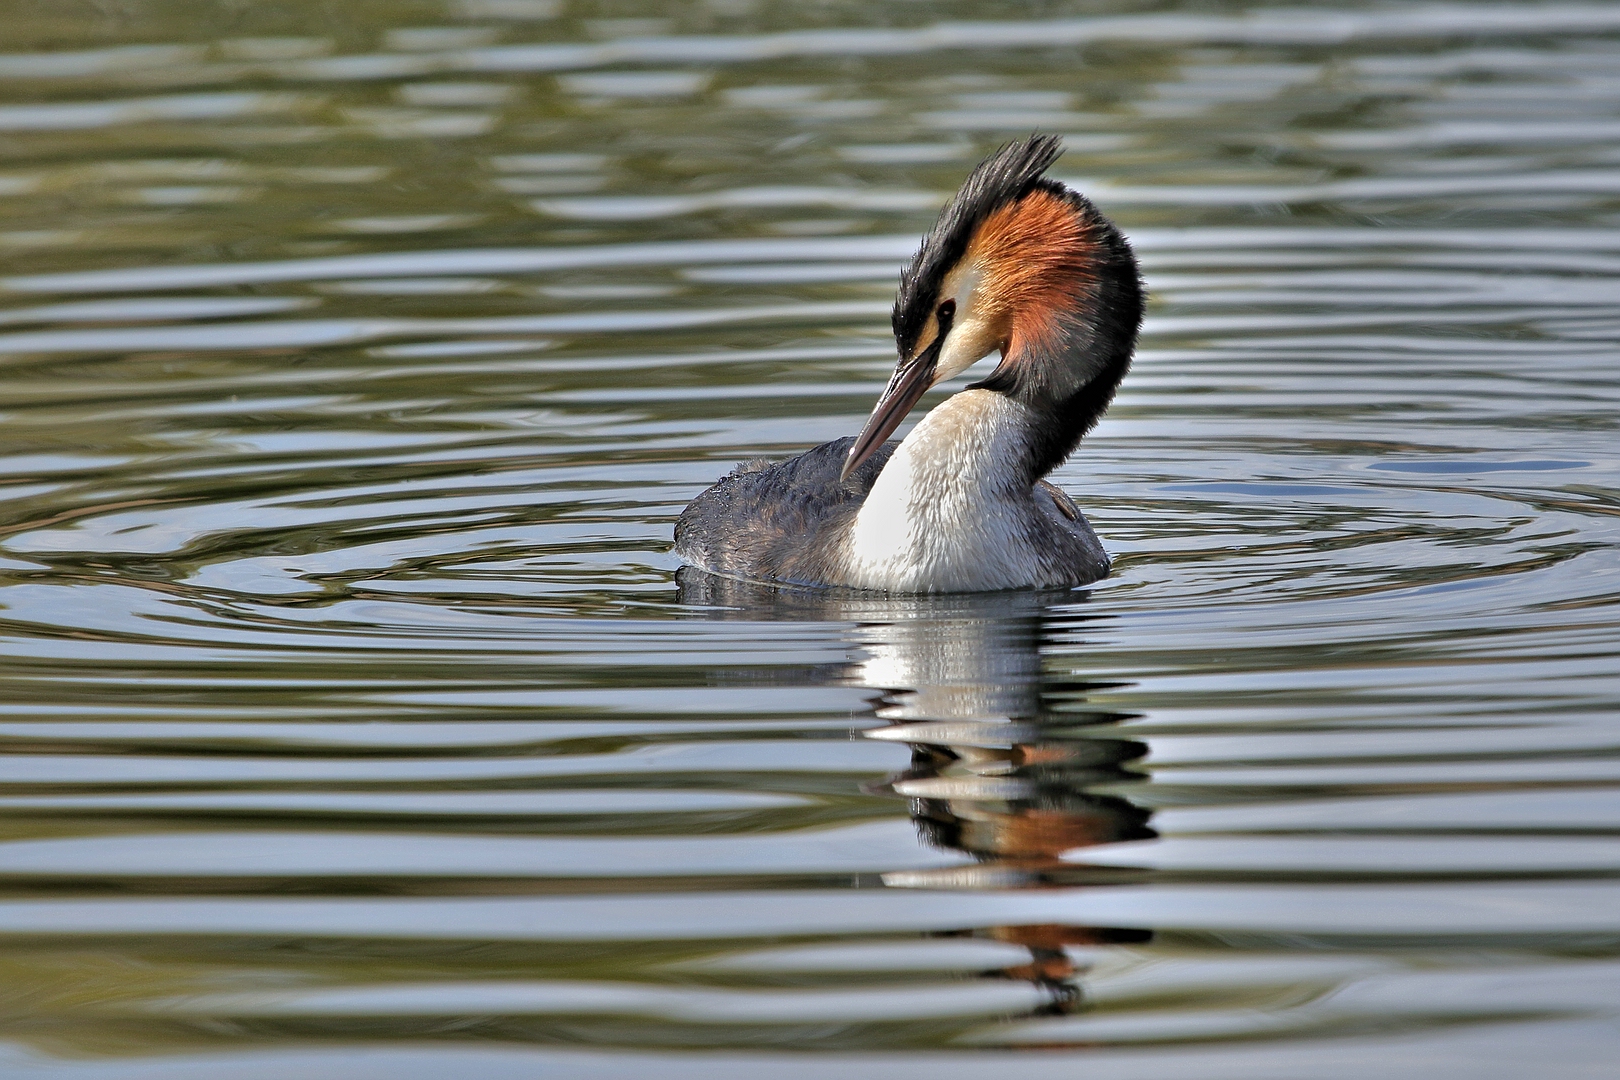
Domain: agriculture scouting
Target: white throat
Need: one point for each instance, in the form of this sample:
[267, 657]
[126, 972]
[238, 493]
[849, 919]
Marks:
[951, 510]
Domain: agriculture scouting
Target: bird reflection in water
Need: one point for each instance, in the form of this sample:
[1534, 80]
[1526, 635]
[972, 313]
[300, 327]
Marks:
[1005, 756]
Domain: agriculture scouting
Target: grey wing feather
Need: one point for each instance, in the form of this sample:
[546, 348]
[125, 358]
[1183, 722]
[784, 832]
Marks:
[777, 521]
[1065, 504]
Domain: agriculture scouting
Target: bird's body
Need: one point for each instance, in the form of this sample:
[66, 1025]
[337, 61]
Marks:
[1019, 264]
[916, 516]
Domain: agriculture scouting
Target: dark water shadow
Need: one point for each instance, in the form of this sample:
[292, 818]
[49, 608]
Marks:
[1004, 754]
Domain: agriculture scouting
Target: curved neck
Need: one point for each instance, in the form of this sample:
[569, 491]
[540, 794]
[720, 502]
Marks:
[949, 510]
[1064, 363]
[973, 446]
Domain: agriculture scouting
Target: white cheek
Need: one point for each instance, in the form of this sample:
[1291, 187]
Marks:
[966, 344]
[970, 340]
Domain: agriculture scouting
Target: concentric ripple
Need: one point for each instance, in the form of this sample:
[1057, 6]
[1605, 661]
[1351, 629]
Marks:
[359, 358]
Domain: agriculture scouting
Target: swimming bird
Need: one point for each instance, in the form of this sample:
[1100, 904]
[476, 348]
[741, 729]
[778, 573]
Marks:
[1019, 264]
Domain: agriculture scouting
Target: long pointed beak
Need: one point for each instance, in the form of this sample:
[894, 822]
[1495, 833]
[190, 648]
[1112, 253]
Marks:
[910, 381]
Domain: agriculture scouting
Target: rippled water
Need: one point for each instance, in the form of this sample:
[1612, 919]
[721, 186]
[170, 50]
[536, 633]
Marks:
[358, 358]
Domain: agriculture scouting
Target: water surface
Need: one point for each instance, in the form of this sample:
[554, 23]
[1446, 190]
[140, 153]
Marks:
[356, 723]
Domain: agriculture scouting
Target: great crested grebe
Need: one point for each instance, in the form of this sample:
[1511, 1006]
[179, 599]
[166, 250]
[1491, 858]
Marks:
[1016, 263]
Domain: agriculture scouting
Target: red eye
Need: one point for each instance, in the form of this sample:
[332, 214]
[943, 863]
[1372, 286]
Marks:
[946, 312]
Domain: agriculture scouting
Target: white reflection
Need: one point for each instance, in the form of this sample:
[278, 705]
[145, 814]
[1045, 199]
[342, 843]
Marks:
[998, 773]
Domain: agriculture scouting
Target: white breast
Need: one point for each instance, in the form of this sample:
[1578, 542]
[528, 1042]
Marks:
[949, 512]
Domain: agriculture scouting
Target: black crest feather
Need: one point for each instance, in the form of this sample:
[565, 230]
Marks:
[1004, 177]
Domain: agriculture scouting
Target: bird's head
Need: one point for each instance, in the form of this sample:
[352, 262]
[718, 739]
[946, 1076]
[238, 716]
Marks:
[1017, 264]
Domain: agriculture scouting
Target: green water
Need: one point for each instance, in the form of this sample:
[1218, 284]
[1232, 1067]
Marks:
[357, 359]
